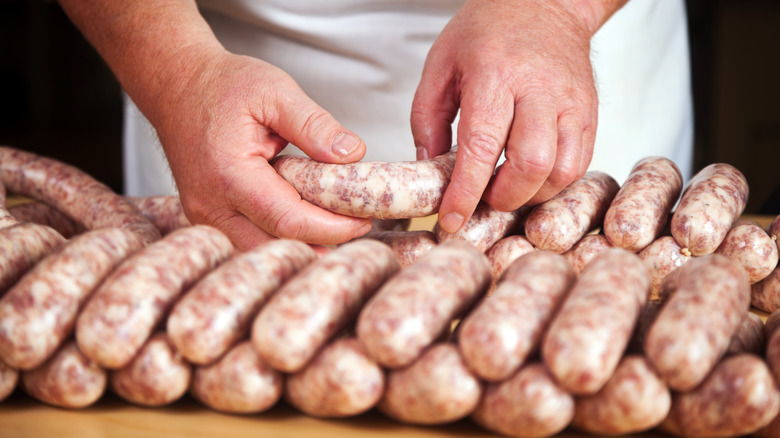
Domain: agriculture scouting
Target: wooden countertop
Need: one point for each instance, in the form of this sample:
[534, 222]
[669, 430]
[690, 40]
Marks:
[22, 417]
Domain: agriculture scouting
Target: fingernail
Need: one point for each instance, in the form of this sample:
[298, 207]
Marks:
[344, 144]
[364, 229]
[451, 222]
[422, 153]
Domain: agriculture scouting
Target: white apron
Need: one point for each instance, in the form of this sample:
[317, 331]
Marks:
[361, 60]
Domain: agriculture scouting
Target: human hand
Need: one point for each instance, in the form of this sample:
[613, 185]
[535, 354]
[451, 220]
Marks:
[521, 76]
[232, 117]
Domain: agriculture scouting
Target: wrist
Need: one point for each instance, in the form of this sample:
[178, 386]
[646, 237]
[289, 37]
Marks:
[594, 13]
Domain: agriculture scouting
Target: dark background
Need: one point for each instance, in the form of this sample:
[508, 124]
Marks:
[58, 98]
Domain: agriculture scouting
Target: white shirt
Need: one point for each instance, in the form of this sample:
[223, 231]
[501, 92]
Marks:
[361, 60]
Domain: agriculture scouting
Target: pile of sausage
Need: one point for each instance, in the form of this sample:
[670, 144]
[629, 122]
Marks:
[611, 309]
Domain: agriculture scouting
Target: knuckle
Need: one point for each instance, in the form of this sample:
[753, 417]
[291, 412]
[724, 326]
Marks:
[482, 146]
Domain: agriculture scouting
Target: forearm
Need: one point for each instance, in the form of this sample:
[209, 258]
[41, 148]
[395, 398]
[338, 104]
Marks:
[150, 45]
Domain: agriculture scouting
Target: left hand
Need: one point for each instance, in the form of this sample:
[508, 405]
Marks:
[520, 73]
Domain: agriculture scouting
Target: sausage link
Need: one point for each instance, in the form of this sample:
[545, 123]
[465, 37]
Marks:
[41, 213]
[772, 354]
[739, 397]
[771, 324]
[239, 382]
[38, 313]
[588, 336]
[370, 189]
[557, 224]
[713, 200]
[71, 191]
[408, 246]
[157, 375]
[503, 253]
[68, 379]
[316, 304]
[750, 337]
[437, 388]
[498, 335]
[419, 303]
[749, 245]
[218, 310]
[662, 257]
[585, 249]
[765, 294]
[711, 298]
[649, 312]
[341, 381]
[21, 247]
[529, 404]
[633, 400]
[9, 377]
[485, 227]
[641, 207]
[165, 212]
[122, 313]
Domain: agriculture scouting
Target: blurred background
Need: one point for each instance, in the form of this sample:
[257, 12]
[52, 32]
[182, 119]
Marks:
[58, 98]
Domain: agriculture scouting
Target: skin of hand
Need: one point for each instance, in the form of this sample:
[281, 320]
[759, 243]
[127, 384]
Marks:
[220, 118]
[519, 72]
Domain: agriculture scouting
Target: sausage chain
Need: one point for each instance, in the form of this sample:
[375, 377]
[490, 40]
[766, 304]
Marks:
[524, 327]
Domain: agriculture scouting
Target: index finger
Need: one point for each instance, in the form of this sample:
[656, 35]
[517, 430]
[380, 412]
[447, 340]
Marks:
[485, 118]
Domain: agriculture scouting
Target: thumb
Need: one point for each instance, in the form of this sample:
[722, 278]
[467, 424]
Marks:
[315, 131]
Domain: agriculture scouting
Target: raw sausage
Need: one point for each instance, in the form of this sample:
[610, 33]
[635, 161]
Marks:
[739, 397]
[9, 377]
[590, 332]
[408, 246]
[713, 200]
[498, 335]
[316, 304]
[557, 224]
[503, 253]
[38, 313]
[750, 337]
[749, 245]
[529, 404]
[437, 388]
[68, 379]
[41, 213]
[135, 297]
[585, 249]
[21, 247]
[773, 345]
[419, 303]
[70, 190]
[485, 227]
[765, 294]
[239, 382]
[707, 320]
[641, 207]
[218, 310]
[341, 381]
[370, 189]
[633, 400]
[165, 212]
[157, 375]
[662, 257]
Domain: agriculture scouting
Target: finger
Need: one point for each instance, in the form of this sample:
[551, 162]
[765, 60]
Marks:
[434, 108]
[242, 232]
[485, 119]
[308, 126]
[285, 214]
[530, 155]
[568, 157]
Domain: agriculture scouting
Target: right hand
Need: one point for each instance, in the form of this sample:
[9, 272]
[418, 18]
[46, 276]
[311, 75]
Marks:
[220, 129]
